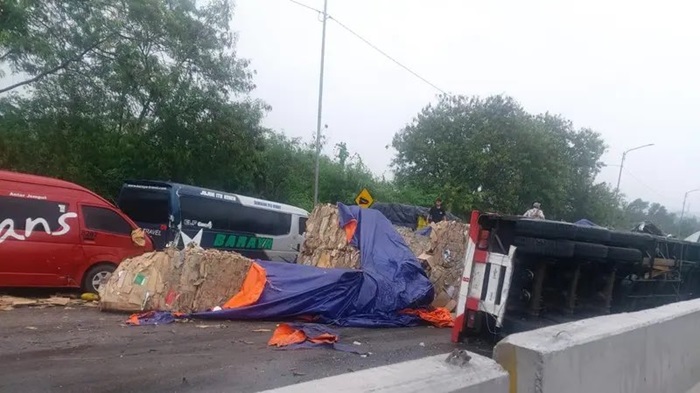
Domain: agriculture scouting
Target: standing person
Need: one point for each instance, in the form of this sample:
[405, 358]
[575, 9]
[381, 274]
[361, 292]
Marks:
[535, 213]
[436, 213]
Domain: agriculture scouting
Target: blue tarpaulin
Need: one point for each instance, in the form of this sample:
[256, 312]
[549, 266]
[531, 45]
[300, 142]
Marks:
[391, 280]
[586, 223]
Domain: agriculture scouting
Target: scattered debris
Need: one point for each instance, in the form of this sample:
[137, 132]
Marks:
[262, 330]
[297, 373]
[356, 343]
[422, 344]
[8, 303]
[32, 328]
[90, 297]
[220, 326]
[458, 357]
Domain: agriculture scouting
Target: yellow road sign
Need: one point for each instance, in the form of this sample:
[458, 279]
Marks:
[364, 198]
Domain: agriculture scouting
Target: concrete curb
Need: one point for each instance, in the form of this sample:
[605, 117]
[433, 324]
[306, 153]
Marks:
[431, 374]
[650, 351]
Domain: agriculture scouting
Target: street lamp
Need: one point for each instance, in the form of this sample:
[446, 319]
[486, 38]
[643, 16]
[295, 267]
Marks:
[622, 164]
[685, 198]
[320, 102]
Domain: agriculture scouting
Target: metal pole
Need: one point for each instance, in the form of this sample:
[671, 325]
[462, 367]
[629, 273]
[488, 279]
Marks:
[685, 199]
[622, 163]
[619, 175]
[320, 101]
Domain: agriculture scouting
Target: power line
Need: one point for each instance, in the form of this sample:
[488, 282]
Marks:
[371, 45]
[306, 6]
[648, 187]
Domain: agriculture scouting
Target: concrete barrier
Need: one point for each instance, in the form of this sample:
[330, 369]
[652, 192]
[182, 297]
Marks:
[650, 351]
[432, 374]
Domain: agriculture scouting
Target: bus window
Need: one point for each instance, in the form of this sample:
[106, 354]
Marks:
[233, 217]
[145, 205]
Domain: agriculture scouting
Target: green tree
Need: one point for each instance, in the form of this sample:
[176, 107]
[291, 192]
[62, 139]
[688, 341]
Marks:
[133, 88]
[464, 144]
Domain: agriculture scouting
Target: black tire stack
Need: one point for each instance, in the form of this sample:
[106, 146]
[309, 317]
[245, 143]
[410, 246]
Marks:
[569, 241]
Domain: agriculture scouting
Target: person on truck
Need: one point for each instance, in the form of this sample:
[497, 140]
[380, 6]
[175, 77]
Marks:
[437, 212]
[535, 213]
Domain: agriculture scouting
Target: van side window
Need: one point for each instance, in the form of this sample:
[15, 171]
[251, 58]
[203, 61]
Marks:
[105, 220]
[302, 225]
[228, 216]
[20, 209]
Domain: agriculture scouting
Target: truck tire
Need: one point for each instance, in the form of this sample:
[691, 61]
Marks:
[620, 254]
[544, 247]
[590, 250]
[592, 234]
[544, 229]
[623, 239]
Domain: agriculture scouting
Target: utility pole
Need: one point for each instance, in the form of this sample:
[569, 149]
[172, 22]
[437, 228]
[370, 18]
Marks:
[622, 163]
[320, 101]
[680, 221]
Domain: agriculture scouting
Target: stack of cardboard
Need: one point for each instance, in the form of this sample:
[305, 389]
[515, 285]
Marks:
[417, 243]
[187, 280]
[444, 260]
[441, 254]
[325, 244]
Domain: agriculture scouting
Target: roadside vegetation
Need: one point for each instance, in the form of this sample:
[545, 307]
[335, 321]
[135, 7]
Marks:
[105, 91]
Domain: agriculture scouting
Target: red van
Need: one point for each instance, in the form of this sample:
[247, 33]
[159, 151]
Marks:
[57, 234]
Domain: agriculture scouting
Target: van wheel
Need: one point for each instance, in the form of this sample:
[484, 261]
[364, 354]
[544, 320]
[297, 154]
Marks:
[94, 276]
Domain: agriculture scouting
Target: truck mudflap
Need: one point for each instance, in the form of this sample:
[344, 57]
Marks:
[485, 283]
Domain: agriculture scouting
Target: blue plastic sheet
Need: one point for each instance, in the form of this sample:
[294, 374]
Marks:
[391, 280]
[586, 223]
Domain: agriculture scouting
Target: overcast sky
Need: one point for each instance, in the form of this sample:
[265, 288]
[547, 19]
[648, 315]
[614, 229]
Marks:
[627, 69]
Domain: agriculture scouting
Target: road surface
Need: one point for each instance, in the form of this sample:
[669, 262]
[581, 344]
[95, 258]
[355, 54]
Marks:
[85, 350]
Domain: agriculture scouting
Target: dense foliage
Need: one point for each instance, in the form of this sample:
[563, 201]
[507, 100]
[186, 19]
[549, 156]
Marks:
[105, 91]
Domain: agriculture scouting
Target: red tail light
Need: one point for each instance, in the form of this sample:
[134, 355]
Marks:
[163, 227]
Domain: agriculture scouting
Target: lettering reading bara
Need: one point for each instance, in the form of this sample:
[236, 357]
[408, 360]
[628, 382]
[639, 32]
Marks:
[242, 242]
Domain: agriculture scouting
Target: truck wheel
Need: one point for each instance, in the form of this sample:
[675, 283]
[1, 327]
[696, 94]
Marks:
[620, 254]
[591, 234]
[544, 247]
[95, 275]
[545, 229]
[631, 239]
[590, 250]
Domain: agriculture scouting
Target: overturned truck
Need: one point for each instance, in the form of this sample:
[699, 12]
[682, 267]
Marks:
[522, 274]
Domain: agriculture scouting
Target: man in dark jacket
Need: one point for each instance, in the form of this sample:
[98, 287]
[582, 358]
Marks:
[436, 213]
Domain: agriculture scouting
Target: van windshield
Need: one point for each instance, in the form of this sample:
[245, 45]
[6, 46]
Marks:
[145, 205]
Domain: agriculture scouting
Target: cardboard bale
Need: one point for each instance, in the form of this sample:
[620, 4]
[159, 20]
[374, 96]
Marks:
[417, 243]
[325, 244]
[448, 247]
[188, 280]
[441, 254]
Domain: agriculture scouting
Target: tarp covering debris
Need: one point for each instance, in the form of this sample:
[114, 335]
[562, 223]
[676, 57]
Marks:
[391, 281]
[406, 215]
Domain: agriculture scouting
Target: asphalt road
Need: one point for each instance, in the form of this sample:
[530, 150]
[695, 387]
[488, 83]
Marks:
[85, 350]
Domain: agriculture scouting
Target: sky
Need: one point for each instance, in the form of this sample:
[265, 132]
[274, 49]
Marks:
[627, 69]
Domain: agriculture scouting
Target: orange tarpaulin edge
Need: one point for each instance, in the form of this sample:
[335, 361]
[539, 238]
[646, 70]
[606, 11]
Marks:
[253, 287]
[350, 228]
[440, 317]
[286, 335]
